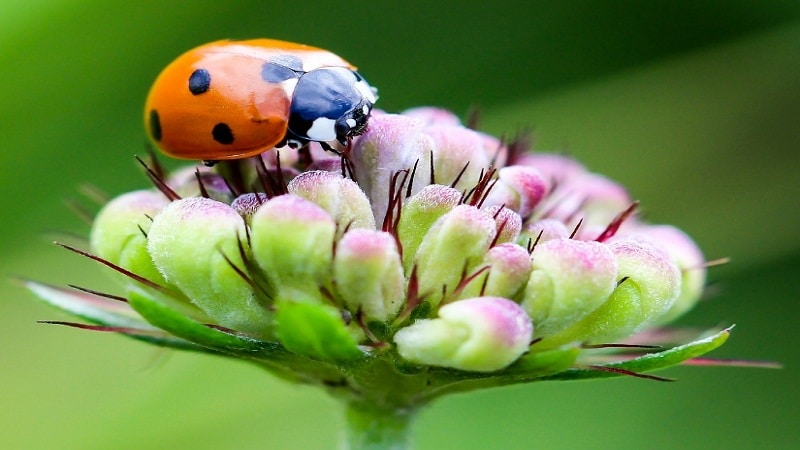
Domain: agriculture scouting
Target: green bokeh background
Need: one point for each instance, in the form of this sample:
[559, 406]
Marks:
[695, 106]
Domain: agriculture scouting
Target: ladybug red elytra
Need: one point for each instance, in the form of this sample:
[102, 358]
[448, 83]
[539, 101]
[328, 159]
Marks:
[235, 99]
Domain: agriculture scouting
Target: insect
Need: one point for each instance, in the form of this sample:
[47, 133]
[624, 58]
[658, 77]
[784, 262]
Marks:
[235, 99]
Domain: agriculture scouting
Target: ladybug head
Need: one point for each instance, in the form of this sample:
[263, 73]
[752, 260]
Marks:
[330, 103]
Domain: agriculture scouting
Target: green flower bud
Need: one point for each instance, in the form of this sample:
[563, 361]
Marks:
[509, 223]
[453, 247]
[392, 143]
[418, 215]
[194, 242]
[519, 188]
[119, 233]
[453, 146]
[479, 334]
[648, 285]
[292, 240]
[369, 274]
[186, 182]
[509, 267]
[542, 231]
[689, 259]
[315, 330]
[247, 205]
[570, 279]
[340, 197]
[293, 275]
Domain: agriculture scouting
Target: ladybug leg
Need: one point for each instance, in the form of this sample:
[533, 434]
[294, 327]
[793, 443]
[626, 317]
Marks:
[327, 147]
[348, 171]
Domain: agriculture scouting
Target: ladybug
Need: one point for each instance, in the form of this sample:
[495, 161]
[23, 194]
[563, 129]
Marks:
[235, 99]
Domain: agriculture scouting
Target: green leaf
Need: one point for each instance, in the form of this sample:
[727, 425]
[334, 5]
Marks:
[87, 306]
[116, 315]
[316, 331]
[651, 361]
[541, 364]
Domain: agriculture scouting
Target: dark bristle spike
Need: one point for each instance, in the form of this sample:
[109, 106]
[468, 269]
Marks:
[411, 178]
[474, 118]
[462, 284]
[242, 274]
[575, 230]
[487, 192]
[413, 298]
[387, 217]
[483, 285]
[115, 267]
[395, 199]
[538, 238]
[230, 187]
[499, 210]
[616, 222]
[99, 294]
[103, 328]
[261, 174]
[280, 182]
[612, 345]
[466, 195]
[630, 373]
[144, 233]
[500, 145]
[158, 168]
[498, 232]
[622, 280]
[158, 182]
[519, 145]
[247, 235]
[200, 184]
[460, 174]
[433, 170]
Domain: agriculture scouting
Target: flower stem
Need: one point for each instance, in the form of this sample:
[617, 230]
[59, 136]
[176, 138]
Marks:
[372, 427]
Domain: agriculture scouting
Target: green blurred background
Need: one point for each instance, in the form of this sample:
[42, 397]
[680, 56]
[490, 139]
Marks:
[695, 106]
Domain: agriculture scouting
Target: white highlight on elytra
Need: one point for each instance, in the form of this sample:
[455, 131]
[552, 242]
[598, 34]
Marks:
[351, 123]
[322, 129]
[289, 86]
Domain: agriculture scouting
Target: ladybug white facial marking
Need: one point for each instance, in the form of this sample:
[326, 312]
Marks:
[322, 130]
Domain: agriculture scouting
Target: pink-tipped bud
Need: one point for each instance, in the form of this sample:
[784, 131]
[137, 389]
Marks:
[480, 334]
[369, 274]
[519, 188]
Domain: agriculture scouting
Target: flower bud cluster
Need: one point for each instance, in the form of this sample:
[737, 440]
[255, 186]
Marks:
[431, 243]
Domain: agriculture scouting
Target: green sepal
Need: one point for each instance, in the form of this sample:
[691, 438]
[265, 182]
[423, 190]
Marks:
[316, 331]
[210, 338]
[650, 361]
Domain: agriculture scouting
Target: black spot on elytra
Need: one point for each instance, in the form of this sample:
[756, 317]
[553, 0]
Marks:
[222, 133]
[155, 125]
[199, 81]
